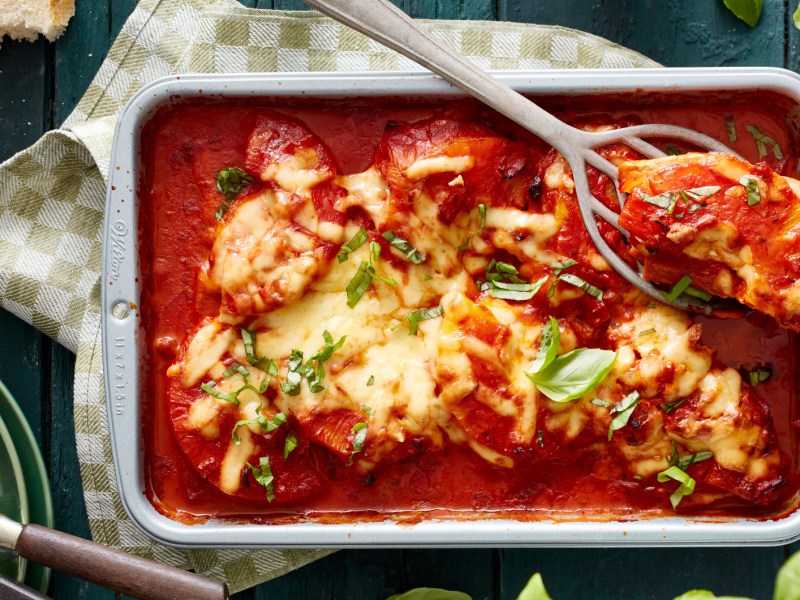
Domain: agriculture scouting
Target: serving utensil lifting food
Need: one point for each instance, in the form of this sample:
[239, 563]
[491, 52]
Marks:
[120, 571]
[383, 22]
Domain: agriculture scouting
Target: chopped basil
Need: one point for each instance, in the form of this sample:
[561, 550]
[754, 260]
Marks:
[503, 281]
[427, 277]
[571, 375]
[671, 150]
[360, 430]
[645, 332]
[237, 368]
[704, 296]
[695, 207]
[601, 402]
[313, 370]
[685, 461]
[623, 409]
[685, 489]
[407, 249]
[548, 347]
[259, 362]
[360, 283]
[679, 288]
[762, 141]
[371, 380]
[730, 125]
[482, 211]
[668, 407]
[699, 193]
[230, 181]
[367, 410]
[560, 266]
[753, 192]
[289, 445]
[759, 376]
[582, 284]
[209, 388]
[263, 475]
[423, 314]
[540, 438]
[354, 244]
[267, 425]
[666, 200]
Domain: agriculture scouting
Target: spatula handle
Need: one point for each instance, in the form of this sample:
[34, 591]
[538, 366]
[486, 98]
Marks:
[113, 568]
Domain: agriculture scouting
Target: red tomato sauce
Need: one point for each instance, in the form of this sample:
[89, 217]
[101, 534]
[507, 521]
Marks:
[183, 148]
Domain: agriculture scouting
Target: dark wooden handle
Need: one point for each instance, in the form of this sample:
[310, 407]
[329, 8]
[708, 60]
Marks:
[115, 569]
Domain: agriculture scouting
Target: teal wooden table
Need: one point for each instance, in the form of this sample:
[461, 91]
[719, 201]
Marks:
[41, 82]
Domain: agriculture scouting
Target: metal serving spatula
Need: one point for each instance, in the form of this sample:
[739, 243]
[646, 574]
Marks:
[383, 22]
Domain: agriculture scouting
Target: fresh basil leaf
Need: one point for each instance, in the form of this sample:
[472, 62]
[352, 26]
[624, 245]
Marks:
[273, 423]
[329, 348]
[667, 200]
[354, 244]
[209, 388]
[623, 409]
[249, 341]
[263, 475]
[787, 583]
[753, 192]
[367, 410]
[705, 296]
[482, 211]
[582, 284]
[289, 445]
[534, 589]
[748, 11]
[686, 487]
[514, 291]
[294, 374]
[234, 436]
[646, 332]
[230, 181]
[427, 277]
[574, 374]
[684, 462]
[371, 380]
[360, 283]
[548, 347]
[430, 594]
[411, 253]
[706, 595]
[796, 18]
[423, 314]
[671, 150]
[730, 126]
[705, 191]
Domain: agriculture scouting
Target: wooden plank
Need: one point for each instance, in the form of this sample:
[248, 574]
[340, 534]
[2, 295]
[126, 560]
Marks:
[120, 11]
[21, 367]
[641, 573]
[707, 34]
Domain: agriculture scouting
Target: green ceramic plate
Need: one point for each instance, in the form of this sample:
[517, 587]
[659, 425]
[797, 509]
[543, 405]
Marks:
[40, 503]
[13, 500]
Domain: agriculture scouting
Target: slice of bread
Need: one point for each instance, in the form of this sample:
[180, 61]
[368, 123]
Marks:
[26, 19]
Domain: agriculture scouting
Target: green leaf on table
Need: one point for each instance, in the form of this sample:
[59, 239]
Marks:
[534, 589]
[747, 10]
[706, 595]
[571, 375]
[787, 583]
[796, 18]
[430, 594]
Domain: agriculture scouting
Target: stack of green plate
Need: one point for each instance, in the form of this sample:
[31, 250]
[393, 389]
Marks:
[24, 488]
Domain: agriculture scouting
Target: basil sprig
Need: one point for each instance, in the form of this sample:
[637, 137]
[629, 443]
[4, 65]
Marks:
[622, 411]
[411, 253]
[571, 375]
[230, 182]
[423, 314]
[263, 475]
[503, 281]
[482, 212]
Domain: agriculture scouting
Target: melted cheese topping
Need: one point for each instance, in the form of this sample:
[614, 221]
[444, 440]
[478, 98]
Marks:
[267, 260]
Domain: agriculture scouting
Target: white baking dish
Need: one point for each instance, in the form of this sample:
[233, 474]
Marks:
[123, 352]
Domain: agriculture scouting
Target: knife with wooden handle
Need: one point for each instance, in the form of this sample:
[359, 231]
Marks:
[106, 566]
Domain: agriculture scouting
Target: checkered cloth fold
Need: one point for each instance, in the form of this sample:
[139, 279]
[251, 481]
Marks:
[52, 198]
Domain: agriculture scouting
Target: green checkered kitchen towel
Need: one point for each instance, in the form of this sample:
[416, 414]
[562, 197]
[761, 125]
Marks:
[52, 197]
